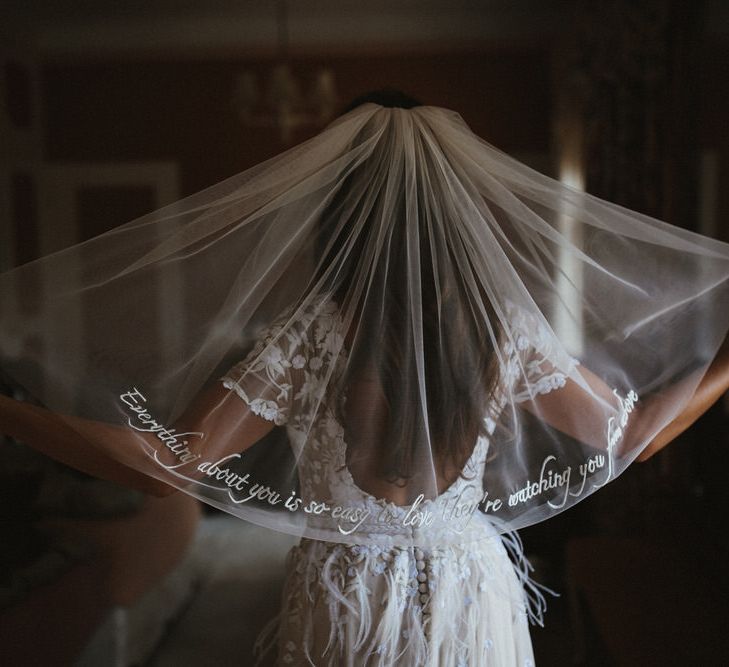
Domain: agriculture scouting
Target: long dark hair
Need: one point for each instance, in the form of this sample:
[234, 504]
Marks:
[460, 366]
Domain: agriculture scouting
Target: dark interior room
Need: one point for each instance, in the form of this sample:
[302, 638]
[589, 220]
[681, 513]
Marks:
[110, 110]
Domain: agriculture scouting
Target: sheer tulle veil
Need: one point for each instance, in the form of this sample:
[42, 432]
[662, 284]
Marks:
[405, 306]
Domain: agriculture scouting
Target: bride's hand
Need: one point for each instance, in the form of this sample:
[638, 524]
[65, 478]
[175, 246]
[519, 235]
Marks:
[9, 407]
[654, 447]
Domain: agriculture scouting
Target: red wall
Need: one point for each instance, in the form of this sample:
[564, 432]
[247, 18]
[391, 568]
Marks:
[182, 110]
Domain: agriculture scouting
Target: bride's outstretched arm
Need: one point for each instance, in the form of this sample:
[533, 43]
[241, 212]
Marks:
[46, 433]
[114, 453]
[574, 411]
[712, 387]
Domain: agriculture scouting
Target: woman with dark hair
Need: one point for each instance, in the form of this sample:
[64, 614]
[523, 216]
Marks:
[453, 345]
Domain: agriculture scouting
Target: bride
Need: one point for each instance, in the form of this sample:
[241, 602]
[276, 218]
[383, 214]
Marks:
[392, 347]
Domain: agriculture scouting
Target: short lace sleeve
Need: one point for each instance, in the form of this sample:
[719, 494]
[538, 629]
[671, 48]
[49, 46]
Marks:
[537, 363]
[266, 378]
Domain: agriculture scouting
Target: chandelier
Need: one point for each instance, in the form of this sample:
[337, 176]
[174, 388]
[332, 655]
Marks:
[283, 102]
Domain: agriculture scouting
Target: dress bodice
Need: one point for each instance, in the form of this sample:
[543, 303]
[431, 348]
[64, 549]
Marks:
[285, 376]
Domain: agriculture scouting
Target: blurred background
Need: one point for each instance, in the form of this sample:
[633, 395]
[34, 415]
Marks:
[109, 110]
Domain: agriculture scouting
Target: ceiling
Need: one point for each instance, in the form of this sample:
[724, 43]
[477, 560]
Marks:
[98, 27]
[105, 26]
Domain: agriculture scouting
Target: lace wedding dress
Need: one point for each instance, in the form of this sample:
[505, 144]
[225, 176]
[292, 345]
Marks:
[357, 605]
